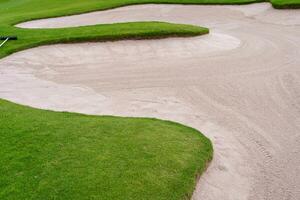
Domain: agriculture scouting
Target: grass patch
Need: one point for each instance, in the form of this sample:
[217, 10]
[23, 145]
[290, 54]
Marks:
[58, 155]
[28, 38]
[286, 4]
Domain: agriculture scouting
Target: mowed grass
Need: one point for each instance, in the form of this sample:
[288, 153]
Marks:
[58, 155]
[285, 4]
[28, 38]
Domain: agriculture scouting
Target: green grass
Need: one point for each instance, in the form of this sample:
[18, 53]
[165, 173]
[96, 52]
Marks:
[138, 30]
[58, 155]
[285, 4]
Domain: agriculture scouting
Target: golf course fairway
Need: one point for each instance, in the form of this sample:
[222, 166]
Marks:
[51, 155]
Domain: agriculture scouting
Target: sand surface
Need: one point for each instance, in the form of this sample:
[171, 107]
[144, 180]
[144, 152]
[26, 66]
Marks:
[240, 86]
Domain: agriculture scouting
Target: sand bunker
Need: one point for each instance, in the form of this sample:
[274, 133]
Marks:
[240, 86]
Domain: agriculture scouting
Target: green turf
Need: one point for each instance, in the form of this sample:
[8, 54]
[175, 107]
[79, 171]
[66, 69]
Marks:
[285, 4]
[57, 155]
[32, 38]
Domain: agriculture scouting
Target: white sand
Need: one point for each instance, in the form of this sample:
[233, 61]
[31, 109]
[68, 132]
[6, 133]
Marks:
[239, 85]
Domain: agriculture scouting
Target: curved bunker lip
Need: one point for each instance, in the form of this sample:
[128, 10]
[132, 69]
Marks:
[241, 93]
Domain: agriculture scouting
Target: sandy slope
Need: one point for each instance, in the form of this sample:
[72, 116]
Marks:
[240, 86]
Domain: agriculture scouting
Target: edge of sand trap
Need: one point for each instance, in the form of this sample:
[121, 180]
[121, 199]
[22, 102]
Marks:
[14, 77]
